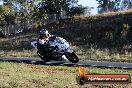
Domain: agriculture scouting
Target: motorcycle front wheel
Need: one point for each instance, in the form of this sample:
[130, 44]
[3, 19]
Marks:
[72, 57]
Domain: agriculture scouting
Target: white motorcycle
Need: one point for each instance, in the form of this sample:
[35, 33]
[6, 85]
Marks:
[56, 48]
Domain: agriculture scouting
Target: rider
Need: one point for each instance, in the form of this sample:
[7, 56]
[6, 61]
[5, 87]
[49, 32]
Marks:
[43, 38]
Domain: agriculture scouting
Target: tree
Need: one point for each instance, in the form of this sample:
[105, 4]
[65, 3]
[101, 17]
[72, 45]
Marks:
[7, 14]
[114, 5]
[103, 5]
[88, 9]
[76, 10]
[117, 5]
[126, 4]
[53, 7]
[108, 5]
[57, 6]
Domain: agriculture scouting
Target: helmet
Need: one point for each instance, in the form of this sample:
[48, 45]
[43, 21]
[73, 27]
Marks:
[44, 33]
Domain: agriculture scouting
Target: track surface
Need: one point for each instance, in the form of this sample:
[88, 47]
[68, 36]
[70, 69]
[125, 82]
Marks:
[123, 65]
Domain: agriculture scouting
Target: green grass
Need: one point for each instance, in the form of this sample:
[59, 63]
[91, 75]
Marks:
[40, 76]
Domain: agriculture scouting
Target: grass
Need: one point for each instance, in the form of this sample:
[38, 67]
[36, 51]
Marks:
[103, 55]
[89, 54]
[16, 48]
[40, 76]
[19, 46]
[22, 53]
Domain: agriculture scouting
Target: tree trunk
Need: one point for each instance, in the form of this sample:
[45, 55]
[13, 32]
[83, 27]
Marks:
[58, 15]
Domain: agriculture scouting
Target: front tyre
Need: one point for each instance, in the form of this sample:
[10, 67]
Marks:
[72, 57]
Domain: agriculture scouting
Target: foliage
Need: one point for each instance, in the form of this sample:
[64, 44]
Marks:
[7, 14]
[126, 4]
[26, 14]
[57, 6]
[107, 5]
[76, 10]
[51, 7]
[113, 5]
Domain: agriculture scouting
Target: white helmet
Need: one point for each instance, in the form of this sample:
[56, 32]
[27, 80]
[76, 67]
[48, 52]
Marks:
[44, 33]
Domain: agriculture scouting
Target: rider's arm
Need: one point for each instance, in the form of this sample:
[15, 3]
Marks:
[42, 41]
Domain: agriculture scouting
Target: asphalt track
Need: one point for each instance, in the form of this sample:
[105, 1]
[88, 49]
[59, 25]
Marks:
[38, 61]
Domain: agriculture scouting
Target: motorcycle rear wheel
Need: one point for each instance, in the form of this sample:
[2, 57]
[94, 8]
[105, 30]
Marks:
[45, 58]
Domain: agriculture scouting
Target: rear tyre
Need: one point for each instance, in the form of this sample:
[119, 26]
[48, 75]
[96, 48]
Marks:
[72, 57]
[45, 58]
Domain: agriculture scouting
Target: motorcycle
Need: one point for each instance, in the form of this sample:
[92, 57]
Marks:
[56, 47]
